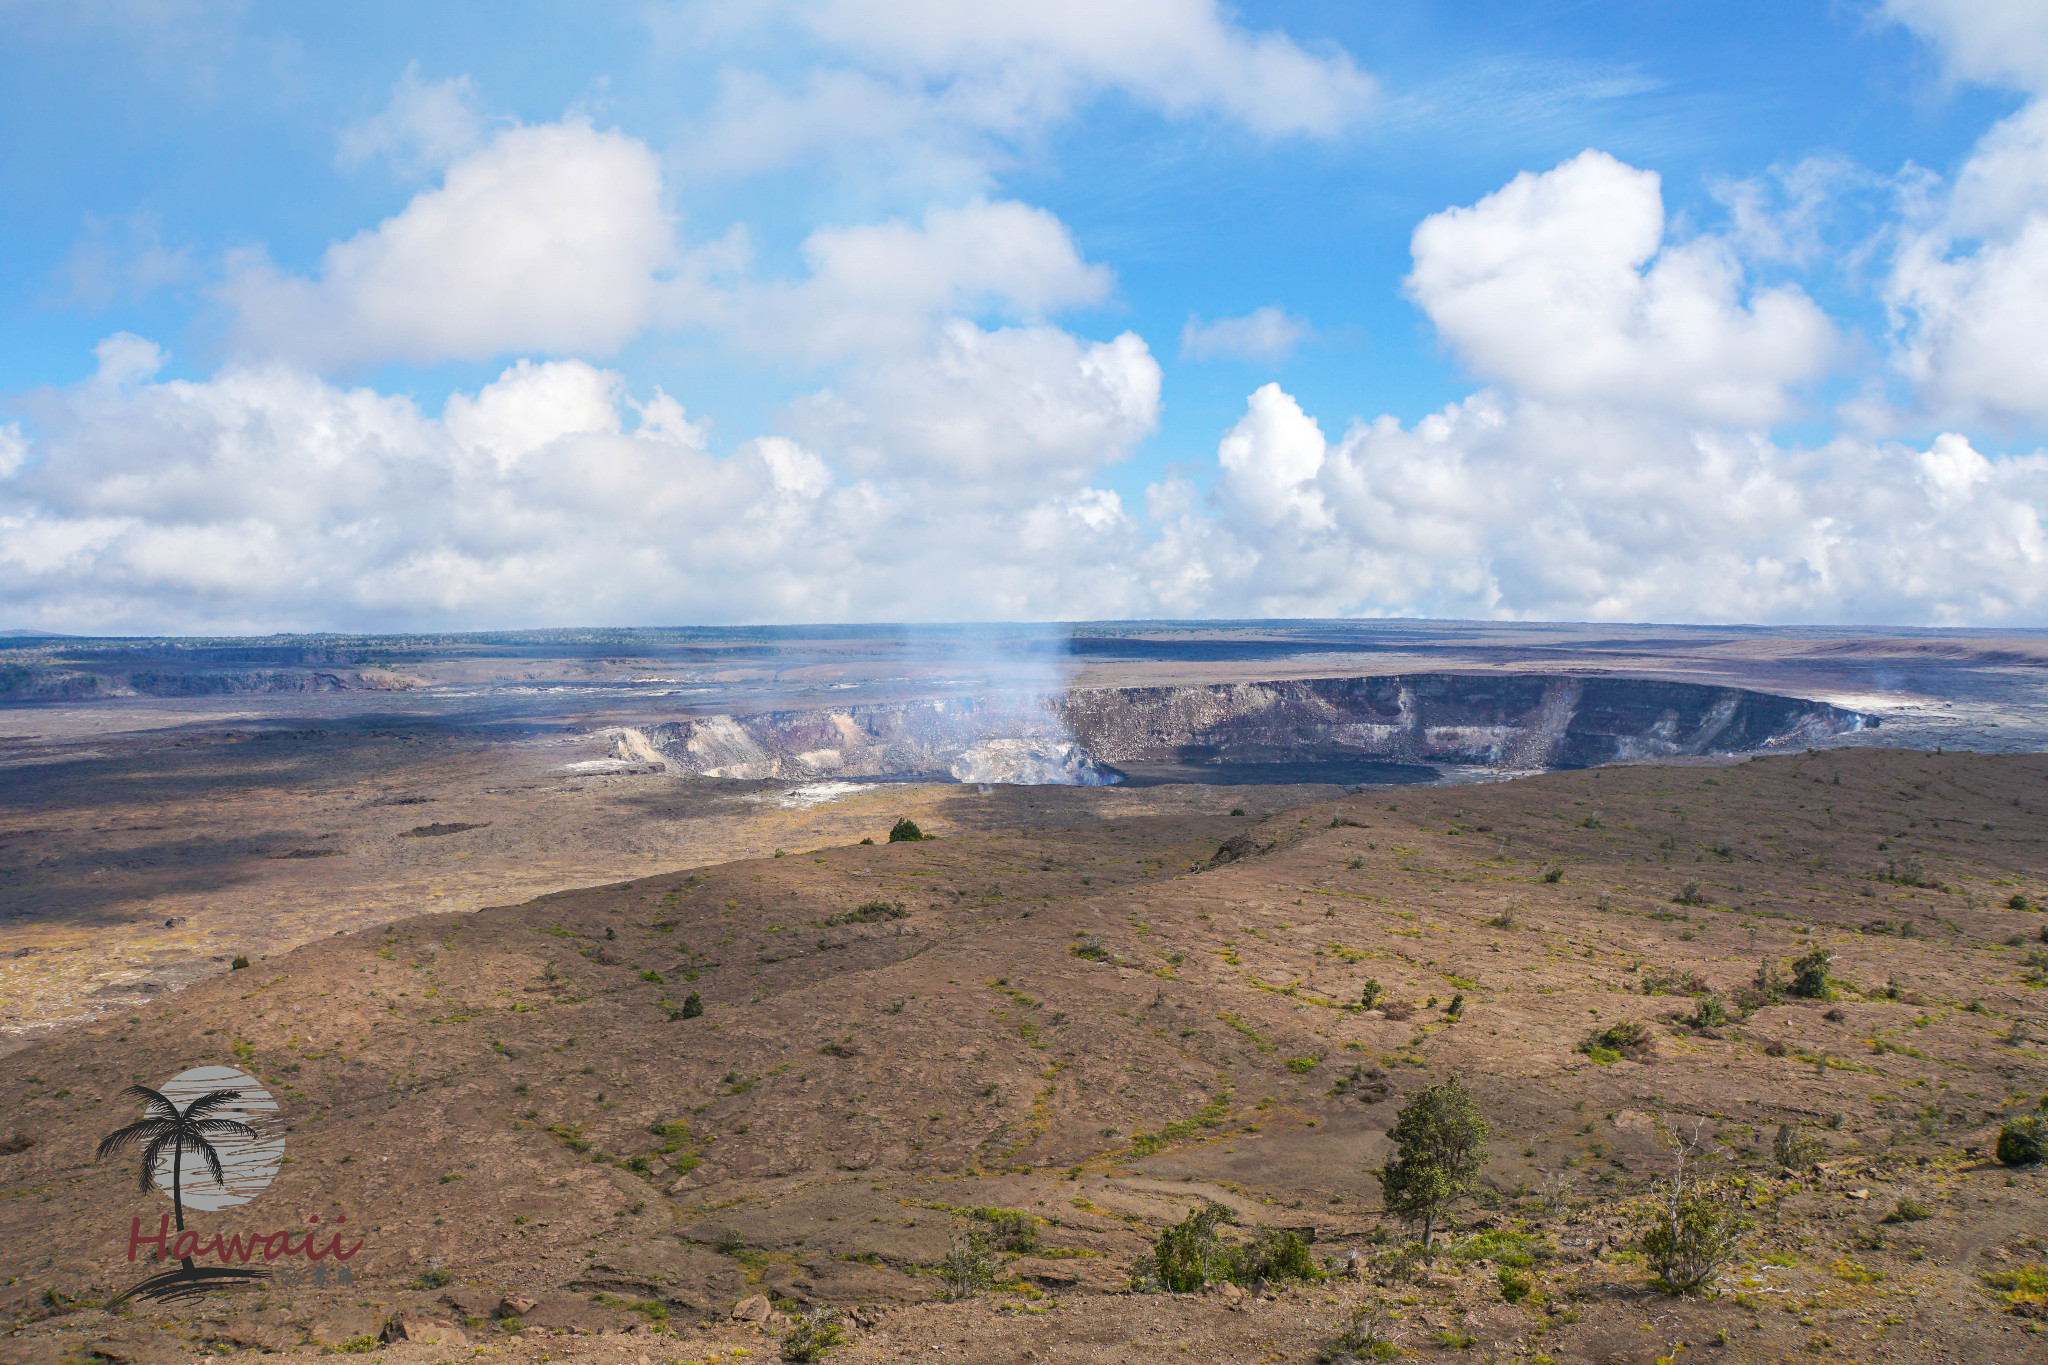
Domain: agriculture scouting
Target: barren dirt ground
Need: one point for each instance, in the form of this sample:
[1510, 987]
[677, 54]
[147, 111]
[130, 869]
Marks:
[144, 845]
[1099, 1023]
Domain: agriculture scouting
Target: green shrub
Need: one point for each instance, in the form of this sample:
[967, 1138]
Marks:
[1010, 1230]
[970, 1264]
[1792, 1149]
[813, 1335]
[1694, 1233]
[2023, 1142]
[1516, 1250]
[1368, 1337]
[1677, 981]
[693, 1005]
[905, 831]
[433, 1279]
[1369, 994]
[1274, 1255]
[2017, 902]
[872, 912]
[1810, 975]
[1301, 1066]
[1091, 949]
[1189, 1254]
[1553, 874]
[1908, 1210]
[1513, 1288]
[1689, 894]
[239, 963]
[2026, 1289]
[1631, 1039]
[1708, 1013]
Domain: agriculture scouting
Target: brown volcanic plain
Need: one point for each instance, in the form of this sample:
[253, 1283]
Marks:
[504, 1095]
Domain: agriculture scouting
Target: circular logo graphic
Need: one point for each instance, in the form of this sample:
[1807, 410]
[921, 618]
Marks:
[247, 1165]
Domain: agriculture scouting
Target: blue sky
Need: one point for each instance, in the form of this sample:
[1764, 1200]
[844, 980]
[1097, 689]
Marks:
[493, 315]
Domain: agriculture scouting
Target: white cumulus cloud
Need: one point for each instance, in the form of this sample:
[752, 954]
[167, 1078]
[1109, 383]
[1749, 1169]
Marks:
[2000, 42]
[1502, 508]
[1562, 286]
[1970, 282]
[883, 288]
[548, 238]
[266, 497]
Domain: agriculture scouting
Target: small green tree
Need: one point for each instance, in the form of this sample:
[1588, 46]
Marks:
[1695, 1229]
[905, 831]
[1440, 1143]
[970, 1264]
[1810, 975]
[693, 1005]
[1189, 1254]
[1370, 993]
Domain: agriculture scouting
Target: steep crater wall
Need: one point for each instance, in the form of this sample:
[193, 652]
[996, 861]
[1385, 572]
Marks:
[1401, 728]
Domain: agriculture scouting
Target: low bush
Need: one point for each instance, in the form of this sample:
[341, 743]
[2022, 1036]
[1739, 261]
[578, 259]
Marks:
[1908, 1210]
[1369, 994]
[1190, 1254]
[1708, 1013]
[871, 913]
[905, 831]
[1767, 987]
[2023, 1142]
[1792, 1149]
[2025, 1290]
[1370, 1336]
[1010, 1230]
[1631, 1039]
[1675, 982]
[1091, 949]
[813, 1335]
[693, 1006]
[1689, 894]
[1513, 1288]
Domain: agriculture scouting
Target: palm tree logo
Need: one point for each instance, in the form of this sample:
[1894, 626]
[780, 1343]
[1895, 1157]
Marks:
[165, 1126]
[166, 1129]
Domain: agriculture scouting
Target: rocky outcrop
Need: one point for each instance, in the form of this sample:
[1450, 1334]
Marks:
[1516, 722]
[1406, 723]
[997, 738]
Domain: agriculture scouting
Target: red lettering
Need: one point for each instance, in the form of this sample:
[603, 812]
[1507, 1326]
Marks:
[136, 1239]
[236, 1247]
